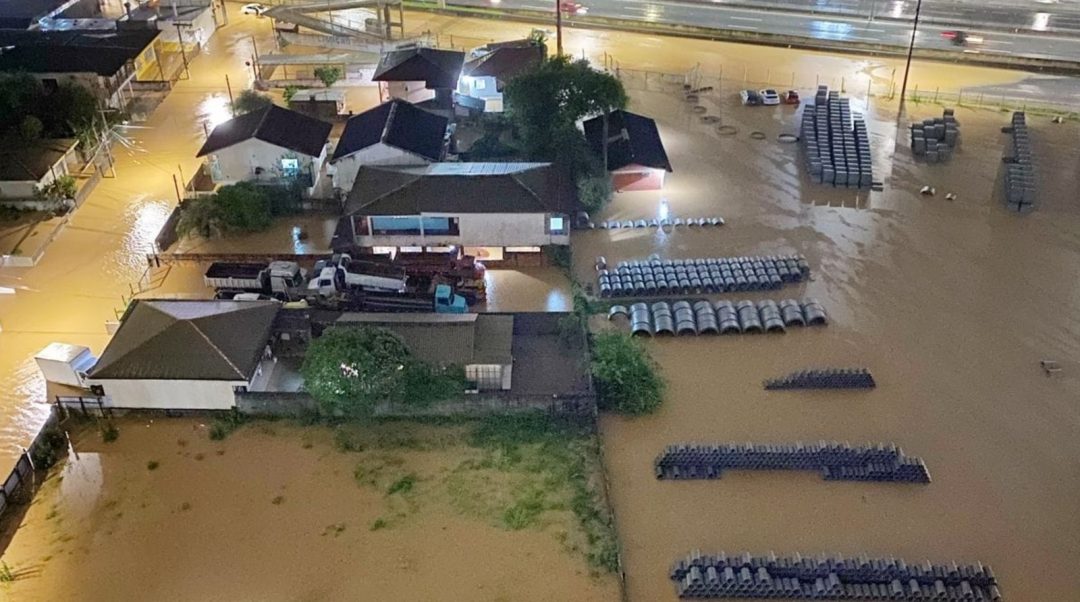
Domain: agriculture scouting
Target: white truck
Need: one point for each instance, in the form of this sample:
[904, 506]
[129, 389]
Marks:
[65, 364]
[277, 278]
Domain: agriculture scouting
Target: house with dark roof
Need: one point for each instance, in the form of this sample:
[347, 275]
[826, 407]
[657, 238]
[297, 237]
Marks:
[482, 80]
[479, 343]
[496, 211]
[419, 74]
[26, 166]
[393, 133]
[268, 145]
[186, 354]
[105, 61]
[635, 154]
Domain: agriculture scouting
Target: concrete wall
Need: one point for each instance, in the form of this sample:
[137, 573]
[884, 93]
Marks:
[170, 394]
[344, 170]
[24, 189]
[238, 162]
[481, 230]
[482, 88]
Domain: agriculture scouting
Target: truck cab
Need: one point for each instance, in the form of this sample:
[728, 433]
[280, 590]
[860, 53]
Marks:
[446, 302]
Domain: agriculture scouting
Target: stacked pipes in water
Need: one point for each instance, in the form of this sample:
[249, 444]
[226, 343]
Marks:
[721, 317]
[655, 276]
[829, 378]
[1019, 166]
[837, 145]
[824, 578]
[835, 461]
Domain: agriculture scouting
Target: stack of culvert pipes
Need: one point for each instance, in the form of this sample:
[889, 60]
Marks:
[836, 462]
[814, 313]
[829, 378]
[770, 316]
[724, 317]
[684, 318]
[830, 578]
[1020, 167]
[792, 313]
[655, 276]
[639, 320]
[749, 318]
[663, 318]
[706, 318]
[727, 317]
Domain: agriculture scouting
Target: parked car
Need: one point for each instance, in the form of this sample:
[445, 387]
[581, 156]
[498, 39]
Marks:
[791, 97]
[254, 9]
[750, 98]
[573, 8]
[769, 97]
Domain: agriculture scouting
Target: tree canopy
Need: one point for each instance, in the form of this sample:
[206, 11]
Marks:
[627, 379]
[69, 110]
[239, 208]
[547, 102]
[349, 370]
[328, 75]
[250, 100]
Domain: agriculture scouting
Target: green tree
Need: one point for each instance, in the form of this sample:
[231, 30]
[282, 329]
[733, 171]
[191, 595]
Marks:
[628, 381]
[19, 92]
[549, 100]
[350, 369]
[30, 129]
[328, 75]
[288, 93]
[239, 208]
[594, 192]
[250, 100]
[199, 216]
[60, 189]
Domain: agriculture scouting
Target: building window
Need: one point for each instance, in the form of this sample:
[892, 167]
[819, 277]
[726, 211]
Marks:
[484, 377]
[557, 224]
[290, 168]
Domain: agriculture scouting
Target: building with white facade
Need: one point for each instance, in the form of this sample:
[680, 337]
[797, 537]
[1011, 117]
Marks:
[636, 157]
[419, 75]
[271, 145]
[495, 211]
[482, 80]
[27, 166]
[393, 133]
[187, 355]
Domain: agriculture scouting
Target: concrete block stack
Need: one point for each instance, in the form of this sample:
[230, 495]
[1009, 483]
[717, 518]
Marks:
[830, 378]
[935, 139]
[836, 143]
[687, 316]
[836, 462]
[655, 276]
[830, 578]
[1019, 166]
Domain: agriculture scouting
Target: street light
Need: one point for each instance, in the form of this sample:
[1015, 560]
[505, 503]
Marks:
[911, 50]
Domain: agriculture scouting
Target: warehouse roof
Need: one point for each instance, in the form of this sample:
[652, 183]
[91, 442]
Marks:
[396, 123]
[274, 125]
[462, 188]
[632, 140]
[436, 68]
[460, 339]
[188, 340]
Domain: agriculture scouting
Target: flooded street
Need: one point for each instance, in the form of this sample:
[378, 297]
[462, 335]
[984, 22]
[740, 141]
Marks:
[951, 305]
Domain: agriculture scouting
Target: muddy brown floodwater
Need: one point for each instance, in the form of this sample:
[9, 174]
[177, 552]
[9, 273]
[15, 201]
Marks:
[307, 521]
[950, 304]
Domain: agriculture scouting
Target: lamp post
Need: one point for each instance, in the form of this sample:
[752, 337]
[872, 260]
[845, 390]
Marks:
[558, 27]
[911, 50]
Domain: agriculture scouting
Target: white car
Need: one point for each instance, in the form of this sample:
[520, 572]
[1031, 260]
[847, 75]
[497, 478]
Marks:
[254, 9]
[769, 97]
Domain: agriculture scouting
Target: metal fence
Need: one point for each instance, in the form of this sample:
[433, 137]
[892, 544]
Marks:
[20, 484]
[732, 80]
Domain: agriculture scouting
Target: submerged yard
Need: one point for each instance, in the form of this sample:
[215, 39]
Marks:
[500, 509]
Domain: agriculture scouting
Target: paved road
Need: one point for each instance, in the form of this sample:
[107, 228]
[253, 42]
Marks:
[816, 26]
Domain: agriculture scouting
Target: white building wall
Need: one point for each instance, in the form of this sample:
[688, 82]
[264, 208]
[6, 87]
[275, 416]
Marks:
[238, 162]
[344, 170]
[414, 92]
[18, 190]
[170, 394]
[481, 230]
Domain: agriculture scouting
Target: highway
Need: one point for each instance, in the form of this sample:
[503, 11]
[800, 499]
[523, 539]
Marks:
[819, 26]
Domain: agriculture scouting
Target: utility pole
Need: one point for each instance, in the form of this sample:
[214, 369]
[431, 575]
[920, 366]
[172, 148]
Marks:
[911, 50]
[558, 29]
[232, 102]
[183, 53]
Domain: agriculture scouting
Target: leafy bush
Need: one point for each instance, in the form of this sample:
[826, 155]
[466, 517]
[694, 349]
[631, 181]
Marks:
[594, 192]
[628, 381]
[239, 208]
[250, 101]
[328, 75]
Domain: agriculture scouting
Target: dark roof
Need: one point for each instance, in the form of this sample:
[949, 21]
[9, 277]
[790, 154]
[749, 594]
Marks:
[460, 339]
[462, 188]
[436, 68]
[275, 125]
[73, 51]
[636, 140]
[21, 14]
[397, 123]
[22, 162]
[504, 62]
[188, 340]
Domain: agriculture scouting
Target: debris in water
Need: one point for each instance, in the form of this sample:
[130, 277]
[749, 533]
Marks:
[927, 191]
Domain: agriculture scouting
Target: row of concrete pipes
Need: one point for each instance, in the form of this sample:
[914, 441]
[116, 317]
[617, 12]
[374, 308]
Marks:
[720, 317]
